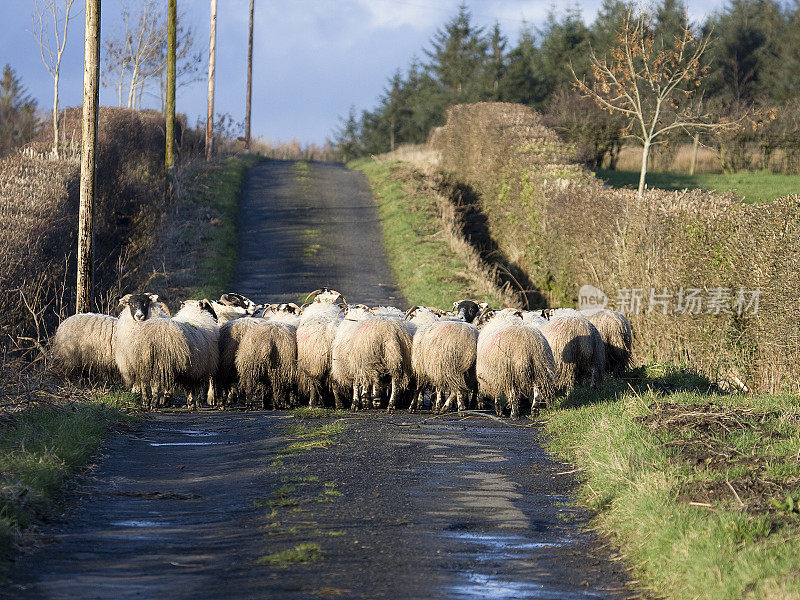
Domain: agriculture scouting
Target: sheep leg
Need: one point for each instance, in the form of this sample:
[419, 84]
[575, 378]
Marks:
[392, 396]
[498, 407]
[312, 396]
[376, 395]
[356, 398]
[460, 401]
[513, 400]
[416, 400]
[337, 398]
[448, 405]
[437, 407]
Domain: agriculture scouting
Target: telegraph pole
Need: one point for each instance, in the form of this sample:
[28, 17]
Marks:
[169, 161]
[88, 188]
[249, 79]
[212, 52]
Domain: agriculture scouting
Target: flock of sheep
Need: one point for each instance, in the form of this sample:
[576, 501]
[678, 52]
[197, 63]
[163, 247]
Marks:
[332, 353]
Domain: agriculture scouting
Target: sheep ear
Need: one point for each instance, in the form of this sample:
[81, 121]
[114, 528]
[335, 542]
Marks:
[153, 297]
[483, 305]
[125, 300]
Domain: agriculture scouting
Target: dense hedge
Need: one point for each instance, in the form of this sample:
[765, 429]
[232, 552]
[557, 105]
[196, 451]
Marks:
[564, 228]
[38, 217]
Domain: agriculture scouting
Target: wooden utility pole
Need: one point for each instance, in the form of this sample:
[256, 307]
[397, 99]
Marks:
[249, 79]
[91, 105]
[169, 156]
[212, 53]
[695, 146]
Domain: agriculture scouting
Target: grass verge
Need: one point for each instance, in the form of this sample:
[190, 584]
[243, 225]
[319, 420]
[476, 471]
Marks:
[219, 189]
[752, 188]
[700, 490]
[39, 448]
[428, 271]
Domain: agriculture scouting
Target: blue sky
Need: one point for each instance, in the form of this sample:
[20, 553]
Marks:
[313, 59]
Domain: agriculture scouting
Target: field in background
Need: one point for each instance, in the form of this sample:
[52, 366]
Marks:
[699, 489]
[752, 188]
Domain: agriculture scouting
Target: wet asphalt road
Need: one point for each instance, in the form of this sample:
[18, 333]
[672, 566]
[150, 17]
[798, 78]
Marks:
[402, 506]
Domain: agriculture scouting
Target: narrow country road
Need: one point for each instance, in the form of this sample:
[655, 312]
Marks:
[203, 505]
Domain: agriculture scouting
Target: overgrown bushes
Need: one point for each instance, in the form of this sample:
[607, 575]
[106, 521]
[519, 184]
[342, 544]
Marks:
[38, 217]
[563, 228]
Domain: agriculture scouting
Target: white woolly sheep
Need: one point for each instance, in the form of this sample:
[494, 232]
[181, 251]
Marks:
[513, 360]
[283, 313]
[615, 330]
[180, 351]
[342, 368]
[443, 358]
[578, 350]
[266, 363]
[84, 343]
[136, 309]
[380, 348]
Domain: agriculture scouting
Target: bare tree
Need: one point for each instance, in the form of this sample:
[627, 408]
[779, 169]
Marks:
[169, 156]
[52, 48]
[654, 85]
[136, 56]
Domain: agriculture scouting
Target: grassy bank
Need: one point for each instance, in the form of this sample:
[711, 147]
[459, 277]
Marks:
[751, 188]
[700, 490]
[420, 253]
[39, 448]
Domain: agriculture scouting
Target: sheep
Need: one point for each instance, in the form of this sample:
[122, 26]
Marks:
[266, 361]
[577, 348]
[180, 351]
[388, 311]
[615, 330]
[233, 306]
[327, 295]
[225, 382]
[85, 343]
[443, 358]
[380, 347]
[321, 310]
[136, 309]
[533, 318]
[468, 310]
[315, 335]
[342, 368]
[513, 360]
[283, 313]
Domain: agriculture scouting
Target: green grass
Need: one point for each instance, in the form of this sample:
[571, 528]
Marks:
[420, 257]
[39, 448]
[309, 437]
[752, 188]
[300, 554]
[221, 186]
[634, 476]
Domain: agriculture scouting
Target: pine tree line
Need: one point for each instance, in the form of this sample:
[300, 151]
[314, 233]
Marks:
[754, 64]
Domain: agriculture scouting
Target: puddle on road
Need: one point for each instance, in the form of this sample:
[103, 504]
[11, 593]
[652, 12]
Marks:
[187, 443]
[503, 546]
[490, 587]
[191, 432]
[493, 550]
[139, 524]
